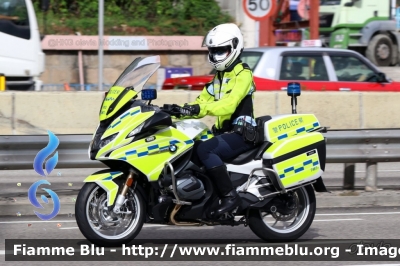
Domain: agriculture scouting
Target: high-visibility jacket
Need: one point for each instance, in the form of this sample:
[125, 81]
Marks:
[231, 101]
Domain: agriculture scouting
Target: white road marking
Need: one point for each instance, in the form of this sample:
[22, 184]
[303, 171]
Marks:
[209, 227]
[380, 171]
[145, 225]
[155, 225]
[334, 220]
[2, 252]
[174, 227]
[377, 265]
[356, 213]
[29, 222]
[194, 227]
[69, 221]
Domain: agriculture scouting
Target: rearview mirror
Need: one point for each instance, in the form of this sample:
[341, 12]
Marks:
[149, 94]
[381, 77]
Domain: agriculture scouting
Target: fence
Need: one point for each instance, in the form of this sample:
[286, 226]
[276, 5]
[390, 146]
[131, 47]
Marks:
[17, 152]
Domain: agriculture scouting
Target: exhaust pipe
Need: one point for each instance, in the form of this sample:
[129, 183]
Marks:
[175, 222]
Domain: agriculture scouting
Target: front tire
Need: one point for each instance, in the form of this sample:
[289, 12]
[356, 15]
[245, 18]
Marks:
[100, 225]
[265, 224]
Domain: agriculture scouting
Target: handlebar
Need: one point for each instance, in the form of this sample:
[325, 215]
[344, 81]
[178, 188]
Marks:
[169, 109]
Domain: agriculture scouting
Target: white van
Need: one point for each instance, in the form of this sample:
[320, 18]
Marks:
[21, 55]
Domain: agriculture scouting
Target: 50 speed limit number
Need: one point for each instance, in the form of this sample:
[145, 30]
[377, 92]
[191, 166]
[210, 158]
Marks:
[259, 9]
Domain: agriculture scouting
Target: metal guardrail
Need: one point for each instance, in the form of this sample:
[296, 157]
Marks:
[358, 146]
[368, 146]
[17, 152]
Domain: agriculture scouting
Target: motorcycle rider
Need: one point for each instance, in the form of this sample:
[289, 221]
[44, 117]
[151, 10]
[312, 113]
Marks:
[229, 97]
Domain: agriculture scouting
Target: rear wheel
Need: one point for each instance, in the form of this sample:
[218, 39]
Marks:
[100, 225]
[289, 224]
[380, 50]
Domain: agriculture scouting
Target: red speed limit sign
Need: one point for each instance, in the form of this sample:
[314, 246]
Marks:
[259, 9]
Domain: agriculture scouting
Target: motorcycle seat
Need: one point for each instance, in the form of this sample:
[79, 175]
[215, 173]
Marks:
[245, 157]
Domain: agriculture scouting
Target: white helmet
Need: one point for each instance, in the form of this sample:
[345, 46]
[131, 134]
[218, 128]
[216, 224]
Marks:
[225, 44]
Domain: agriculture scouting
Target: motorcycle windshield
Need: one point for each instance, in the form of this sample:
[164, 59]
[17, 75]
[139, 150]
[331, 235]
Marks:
[138, 72]
[128, 84]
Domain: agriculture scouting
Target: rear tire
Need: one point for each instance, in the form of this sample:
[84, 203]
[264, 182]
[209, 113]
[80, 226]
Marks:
[304, 217]
[380, 50]
[93, 218]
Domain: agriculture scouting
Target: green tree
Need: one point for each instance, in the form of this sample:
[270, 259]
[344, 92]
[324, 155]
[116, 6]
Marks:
[132, 17]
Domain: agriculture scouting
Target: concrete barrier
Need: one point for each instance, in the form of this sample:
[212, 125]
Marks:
[336, 110]
[26, 113]
[381, 110]
[62, 112]
[5, 113]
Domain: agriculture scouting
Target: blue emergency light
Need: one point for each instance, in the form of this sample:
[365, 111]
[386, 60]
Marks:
[149, 94]
[293, 89]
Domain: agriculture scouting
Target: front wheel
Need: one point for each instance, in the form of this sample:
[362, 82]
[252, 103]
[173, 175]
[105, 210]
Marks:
[100, 225]
[288, 224]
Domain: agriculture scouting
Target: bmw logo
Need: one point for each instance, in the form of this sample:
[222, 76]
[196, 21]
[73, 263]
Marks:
[172, 148]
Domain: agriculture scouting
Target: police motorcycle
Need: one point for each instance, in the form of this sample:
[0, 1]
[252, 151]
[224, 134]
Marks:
[151, 177]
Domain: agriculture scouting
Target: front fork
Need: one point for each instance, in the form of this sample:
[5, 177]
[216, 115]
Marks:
[121, 198]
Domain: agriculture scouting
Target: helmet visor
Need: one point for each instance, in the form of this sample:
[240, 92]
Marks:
[219, 50]
[219, 53]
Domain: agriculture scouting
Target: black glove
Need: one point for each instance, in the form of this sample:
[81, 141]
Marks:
[186, 110]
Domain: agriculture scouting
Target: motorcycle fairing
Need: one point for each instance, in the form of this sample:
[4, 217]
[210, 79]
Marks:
[205, 135]
[123, 126]
[116, 98]
[149, 157]
[104, 179]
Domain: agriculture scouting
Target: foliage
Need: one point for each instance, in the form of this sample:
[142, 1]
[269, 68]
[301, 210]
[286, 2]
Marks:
[131, 17]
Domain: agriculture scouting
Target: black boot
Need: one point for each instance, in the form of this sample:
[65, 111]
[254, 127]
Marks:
[229, 198]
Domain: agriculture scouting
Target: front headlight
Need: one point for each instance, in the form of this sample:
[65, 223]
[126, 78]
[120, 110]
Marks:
[339, 38]
[136, 130]
[107, 140]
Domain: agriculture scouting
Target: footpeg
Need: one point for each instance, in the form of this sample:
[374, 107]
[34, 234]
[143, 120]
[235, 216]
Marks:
[235, 211]
[228, 216]
[222, 217]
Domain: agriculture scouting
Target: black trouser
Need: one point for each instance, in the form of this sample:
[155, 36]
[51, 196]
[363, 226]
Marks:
[213, 152]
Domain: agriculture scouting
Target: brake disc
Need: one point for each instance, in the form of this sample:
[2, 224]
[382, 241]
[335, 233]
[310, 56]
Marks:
[282, 217]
